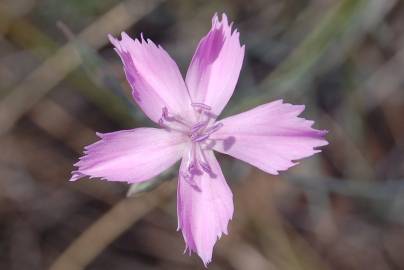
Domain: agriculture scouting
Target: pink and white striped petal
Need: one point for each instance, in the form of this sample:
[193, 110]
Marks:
[215, 66]
[270, 137]
[154, 77]
[204, 208]
[130, 155]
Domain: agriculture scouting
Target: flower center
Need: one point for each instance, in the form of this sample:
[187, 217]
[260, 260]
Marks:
[198, 134]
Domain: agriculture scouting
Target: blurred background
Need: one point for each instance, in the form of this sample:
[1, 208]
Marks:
[61, 81]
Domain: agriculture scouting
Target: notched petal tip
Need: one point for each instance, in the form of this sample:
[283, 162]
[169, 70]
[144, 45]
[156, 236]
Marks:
[116, 43]
[124, 36]
[111, 38]
[223, 19]
[215, 19]
[76, 175]
[206, 258]
[324, 132]
[222, 24]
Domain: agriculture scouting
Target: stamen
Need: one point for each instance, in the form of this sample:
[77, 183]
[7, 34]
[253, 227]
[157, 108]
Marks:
[199, 126]
[210, 115]
[193, 168]
[205, 166]
[190, 179]
[192, 162]
[165, 117]
[214, 128]
[201, 106]
[199, 137]
[203, 162]
[165, 113]
[161, 124]
[208, 144]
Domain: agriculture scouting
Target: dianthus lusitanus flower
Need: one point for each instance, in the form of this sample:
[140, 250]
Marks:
[270, 137]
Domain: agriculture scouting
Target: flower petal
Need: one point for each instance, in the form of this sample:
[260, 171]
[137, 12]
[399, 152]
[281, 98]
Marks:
[215, 66]
[130, 155]
[204, 208]
[154, 77]
[270, 136]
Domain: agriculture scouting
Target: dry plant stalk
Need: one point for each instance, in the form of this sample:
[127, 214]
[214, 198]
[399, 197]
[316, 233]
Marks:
[54, 69]
[110, 226]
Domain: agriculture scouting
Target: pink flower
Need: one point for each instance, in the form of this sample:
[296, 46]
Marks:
[270, 136]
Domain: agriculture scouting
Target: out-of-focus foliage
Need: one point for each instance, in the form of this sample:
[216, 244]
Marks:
[60, 81]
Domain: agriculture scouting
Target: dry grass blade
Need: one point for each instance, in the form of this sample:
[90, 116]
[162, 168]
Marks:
[343, 27]
[66, 59]
[53, 119]
[384, 82]
[86, 247]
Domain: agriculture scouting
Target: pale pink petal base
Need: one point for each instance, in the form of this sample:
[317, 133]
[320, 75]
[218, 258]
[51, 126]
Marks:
[130, 155]
[270, 137]
[204, 208]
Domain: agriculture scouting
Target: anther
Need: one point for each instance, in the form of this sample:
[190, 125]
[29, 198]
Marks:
[199, 126]
[161, 123]
[193, 168]
[201, 106]
[165, 117]
[214, 128]
[205, 166]
[210, 115]
[165, 113]
[199, 137]
[190, 180]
